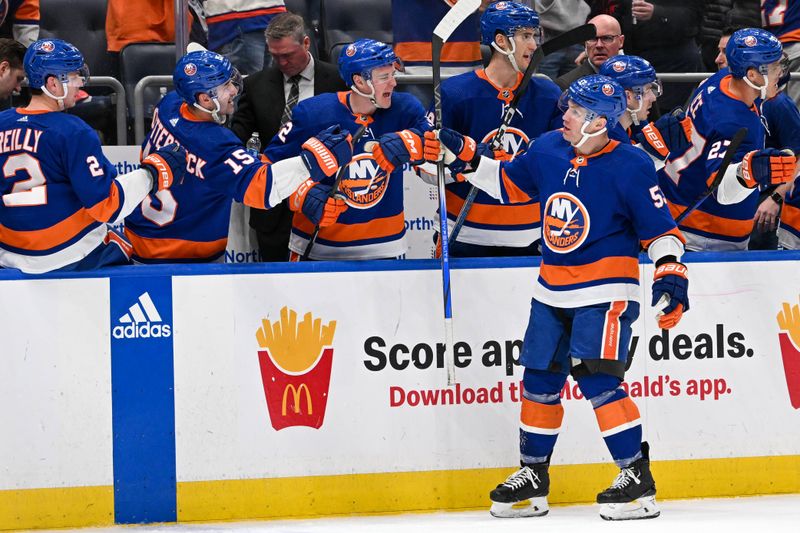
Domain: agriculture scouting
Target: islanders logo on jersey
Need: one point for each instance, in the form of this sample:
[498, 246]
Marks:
[514, 140]
[566, 223]
[364, 183]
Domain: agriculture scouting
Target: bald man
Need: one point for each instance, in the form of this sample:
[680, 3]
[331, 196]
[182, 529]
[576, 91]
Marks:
[608, 43]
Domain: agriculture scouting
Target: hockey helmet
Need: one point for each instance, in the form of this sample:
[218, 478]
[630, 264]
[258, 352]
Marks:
[632, 72]
[363, 56]
[752, 48]
[599, 95]
[53, 57]
[506, 18]
[203, 72]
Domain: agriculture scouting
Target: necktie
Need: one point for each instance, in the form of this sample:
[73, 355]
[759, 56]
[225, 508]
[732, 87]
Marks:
[291, 101]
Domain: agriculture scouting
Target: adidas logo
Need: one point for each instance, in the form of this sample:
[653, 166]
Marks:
[173, 121]
[142, 321]
[23, 119]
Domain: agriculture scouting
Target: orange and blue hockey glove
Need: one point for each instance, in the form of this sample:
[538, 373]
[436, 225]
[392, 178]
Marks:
[396, 149]
[670, 292]
[166, 166]
[769, 166]
[324, 153]
[315, 202]
[670, 133]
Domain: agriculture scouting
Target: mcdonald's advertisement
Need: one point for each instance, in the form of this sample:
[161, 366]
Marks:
[330, 373]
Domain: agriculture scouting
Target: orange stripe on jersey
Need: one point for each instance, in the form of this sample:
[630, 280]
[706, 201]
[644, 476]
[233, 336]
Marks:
[245, 15]
[47, 238]
[611, 330]
[103, 210]
[515, 194]
[790, 37]
[148, 248]
[610, 267]
[790, 216]
[481, 73]
[541, 416]
[503, 215]
[708, 223]
[374, 229]
[28, 11]
[454, 51]
[124, 245]
[613, 415]
[256, 193]
[674, 231]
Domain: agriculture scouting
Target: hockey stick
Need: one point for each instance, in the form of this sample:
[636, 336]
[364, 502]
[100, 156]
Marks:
[454, 17]
[335, 189]
[575, 36]
[729, 153]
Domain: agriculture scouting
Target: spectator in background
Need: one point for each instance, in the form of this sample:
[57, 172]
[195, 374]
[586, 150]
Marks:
[19, 19]
[608, 43]
[715, 18]
[11, 68]
[556, 17]
[236, 30]
[782, 18]
[266, 105]
[137, 21]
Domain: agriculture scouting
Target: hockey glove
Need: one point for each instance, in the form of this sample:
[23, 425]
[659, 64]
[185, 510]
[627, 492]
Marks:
[670, 133]
[166, 166]
[767, 167]
[670, 289]
[327, 151]
[396, 149]
[314, 200]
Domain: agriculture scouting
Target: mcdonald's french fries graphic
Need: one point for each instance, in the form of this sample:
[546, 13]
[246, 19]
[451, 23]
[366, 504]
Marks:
[789, 338]
[295, 360]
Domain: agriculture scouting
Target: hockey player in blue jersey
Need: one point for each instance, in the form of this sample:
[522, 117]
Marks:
[638, 77]
[190, 224]
[473, 103]
[373, 226]
[59, 190]
[600, 203]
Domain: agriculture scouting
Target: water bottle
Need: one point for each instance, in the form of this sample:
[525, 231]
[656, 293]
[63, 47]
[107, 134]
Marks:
[254, 145]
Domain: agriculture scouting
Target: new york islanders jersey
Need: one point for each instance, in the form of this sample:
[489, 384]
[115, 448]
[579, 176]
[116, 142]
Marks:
[716, 115]
[413, 22]
[59, 190]
[227, 19]
[596, 211]
[189, 221]
[373, 226]
[473, 105]
[781, 17]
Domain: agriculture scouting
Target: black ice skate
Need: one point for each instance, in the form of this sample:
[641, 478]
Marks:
[632, 496]
[528, 483]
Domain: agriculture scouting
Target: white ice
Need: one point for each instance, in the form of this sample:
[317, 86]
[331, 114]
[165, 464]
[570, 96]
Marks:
[762, 514]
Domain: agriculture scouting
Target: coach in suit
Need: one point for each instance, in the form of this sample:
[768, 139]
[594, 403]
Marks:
[266, 105]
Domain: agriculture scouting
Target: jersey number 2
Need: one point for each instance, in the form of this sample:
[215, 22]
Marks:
[32, 191]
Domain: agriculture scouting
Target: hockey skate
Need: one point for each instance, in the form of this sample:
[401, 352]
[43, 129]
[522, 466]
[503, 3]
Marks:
[632, 495]
[523, 494]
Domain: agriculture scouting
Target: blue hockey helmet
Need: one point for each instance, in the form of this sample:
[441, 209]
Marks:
[364, 55]
[599, 95]
[507, 18]
[53, 57]
[629, 71]
[752, 48]
[203, 72]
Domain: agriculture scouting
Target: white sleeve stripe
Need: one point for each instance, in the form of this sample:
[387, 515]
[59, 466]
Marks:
[664, 246]
[287, 176]
[135, 186]
[730, 190]
[487, 177]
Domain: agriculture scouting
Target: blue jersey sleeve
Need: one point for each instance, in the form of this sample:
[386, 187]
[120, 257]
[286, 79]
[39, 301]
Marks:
[91, 174]
[783, 123]
[646, 205]
[287, 142]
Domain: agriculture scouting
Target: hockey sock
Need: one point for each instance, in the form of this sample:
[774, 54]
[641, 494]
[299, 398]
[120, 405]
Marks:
[617, 416]
[540, 415]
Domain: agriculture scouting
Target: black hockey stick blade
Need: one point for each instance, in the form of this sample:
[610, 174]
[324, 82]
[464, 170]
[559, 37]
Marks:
[726, 161]
[335, 189]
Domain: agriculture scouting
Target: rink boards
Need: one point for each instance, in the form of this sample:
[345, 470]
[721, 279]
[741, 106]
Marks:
[156, 394]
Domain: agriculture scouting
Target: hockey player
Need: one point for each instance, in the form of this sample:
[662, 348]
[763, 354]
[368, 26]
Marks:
[59, 190]
[724, 104]
[191, 223]
[782, 18]
[638, 77]
[600, 202]
[473, 103]
[373, 226]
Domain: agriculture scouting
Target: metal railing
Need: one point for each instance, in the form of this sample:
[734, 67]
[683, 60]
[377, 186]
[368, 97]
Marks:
[138, 103]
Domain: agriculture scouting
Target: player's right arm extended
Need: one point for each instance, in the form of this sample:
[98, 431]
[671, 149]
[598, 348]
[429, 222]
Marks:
[478, 165]
[765, 167]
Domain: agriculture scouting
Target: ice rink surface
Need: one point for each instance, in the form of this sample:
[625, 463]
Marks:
[764, 514]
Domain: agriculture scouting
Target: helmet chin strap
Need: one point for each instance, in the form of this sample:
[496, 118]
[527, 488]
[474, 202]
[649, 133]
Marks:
[509, 54]
[219, 119]
[761, 89]
[372, 97]
[635, 112]
[59, 99]
[586, 136]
